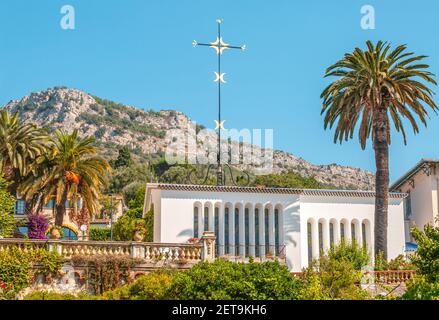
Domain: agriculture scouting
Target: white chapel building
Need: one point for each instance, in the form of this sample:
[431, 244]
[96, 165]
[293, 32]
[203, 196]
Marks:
[293, 224]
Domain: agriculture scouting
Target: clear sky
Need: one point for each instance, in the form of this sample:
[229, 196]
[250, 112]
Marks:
[139, 52]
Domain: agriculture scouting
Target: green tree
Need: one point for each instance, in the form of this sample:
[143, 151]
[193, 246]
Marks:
[72, 170]
[123, 158]
[7, 201]
[351, 252]
[426, 256]
[425, 285]
[235, 281]
[20, 145]
[329, 278]
[288, 180]
[375, 87]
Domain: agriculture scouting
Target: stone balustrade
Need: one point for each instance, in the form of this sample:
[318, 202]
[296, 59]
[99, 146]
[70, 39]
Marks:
[393, 276]
[149, 252]
[385, 276]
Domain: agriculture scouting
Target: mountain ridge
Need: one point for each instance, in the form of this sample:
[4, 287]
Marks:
[144, 131]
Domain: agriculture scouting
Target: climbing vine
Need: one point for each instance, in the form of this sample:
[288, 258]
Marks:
[105, 273]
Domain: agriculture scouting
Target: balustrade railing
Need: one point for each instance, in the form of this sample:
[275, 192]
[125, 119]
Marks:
[385, 276]
[149, 252]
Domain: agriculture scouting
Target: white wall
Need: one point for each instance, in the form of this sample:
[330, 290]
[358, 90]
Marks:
[424, 199]
[173, 217]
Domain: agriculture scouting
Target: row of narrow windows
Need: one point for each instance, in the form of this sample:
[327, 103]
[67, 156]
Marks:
[332, 235]
[234, 248]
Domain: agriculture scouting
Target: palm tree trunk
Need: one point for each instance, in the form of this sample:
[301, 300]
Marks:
[60, 209]
[381, 147]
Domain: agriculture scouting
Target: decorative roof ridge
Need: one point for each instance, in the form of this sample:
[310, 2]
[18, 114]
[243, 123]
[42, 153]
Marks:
[311, 192]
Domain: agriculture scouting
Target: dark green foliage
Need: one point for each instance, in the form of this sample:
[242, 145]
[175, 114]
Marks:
[124, 158]
[235, 281]
[287, 180]
[120, 124]
[100, 133]
[99, 234]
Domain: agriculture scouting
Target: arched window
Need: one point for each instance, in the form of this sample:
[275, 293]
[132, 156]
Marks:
[342, 234]
[276, 232]
[226, 231]
[331, 233]
[257, 232]
[237, 244]
[206, 219]
[309, 231]
[320, 237]
[267, 231]
[247, 235]
[353, 232]
[69, 234]
[196, 222]
[216, 219]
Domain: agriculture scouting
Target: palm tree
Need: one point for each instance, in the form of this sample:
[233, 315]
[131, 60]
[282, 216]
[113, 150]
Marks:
[72, 170]
[21, 145]
[376, 87]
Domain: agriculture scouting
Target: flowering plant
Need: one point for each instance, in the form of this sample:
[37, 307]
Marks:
[37, 225]
[193, 240]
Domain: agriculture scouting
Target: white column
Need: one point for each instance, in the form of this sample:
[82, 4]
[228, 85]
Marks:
[359, 234]
[232, 231]
[261, 232]
[271, 233]
[325, 234]
[221, 229]
[315, 239]
[211, 209]
[242, 231]
[337, 235]
[251, 231]
[347, 231]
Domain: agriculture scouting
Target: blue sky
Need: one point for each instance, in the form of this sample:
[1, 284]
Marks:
[139, 52]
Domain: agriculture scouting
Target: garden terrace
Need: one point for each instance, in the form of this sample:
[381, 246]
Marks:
[150, 253]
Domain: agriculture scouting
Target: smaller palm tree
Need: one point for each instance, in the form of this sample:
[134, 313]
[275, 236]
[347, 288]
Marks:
[71, 171]
[21, 144]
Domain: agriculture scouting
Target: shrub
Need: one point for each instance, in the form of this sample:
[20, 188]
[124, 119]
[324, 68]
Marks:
[419, 288]
[7, 201]
[332, 278]
[234, 281]
[336, 275]
[99, 234]
[37, 225]
[45, 295]
[105, 272]
[426, 256]
[425, 285]
[153, 286]
[16, 266]
[351, 252]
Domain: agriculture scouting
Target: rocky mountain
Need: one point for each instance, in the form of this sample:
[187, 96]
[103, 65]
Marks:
[114, 124]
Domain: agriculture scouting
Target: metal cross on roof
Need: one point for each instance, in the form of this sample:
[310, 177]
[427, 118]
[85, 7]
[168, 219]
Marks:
[219, 46]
